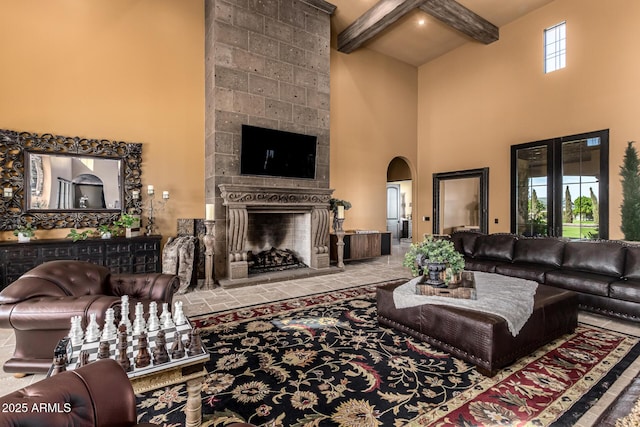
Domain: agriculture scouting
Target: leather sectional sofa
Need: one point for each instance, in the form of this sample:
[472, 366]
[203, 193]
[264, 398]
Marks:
[605, 274]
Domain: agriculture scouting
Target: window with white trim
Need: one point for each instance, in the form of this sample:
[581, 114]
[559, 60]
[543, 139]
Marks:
[555, 47]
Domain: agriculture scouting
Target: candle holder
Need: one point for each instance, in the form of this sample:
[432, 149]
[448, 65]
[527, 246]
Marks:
[152, 209]
[209, 239]
[339, 231]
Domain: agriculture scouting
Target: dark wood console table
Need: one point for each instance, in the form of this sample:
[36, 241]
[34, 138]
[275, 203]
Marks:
[361, 245]
[120, 254]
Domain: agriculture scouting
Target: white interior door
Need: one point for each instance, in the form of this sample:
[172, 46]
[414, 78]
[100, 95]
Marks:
[393, 210]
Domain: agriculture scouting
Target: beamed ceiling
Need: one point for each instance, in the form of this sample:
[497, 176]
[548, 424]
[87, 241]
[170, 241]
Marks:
[392, 27]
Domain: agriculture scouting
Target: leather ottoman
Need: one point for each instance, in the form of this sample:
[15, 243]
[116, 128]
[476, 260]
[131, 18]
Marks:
[482, 339]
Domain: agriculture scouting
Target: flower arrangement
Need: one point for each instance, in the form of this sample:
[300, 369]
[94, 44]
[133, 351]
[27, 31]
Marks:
[432, 250]
[334, 203]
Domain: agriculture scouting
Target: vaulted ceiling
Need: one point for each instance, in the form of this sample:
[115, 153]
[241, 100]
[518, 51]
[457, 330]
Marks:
[417, 31]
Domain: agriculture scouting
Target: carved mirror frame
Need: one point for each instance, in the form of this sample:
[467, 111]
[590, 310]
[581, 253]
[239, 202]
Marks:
[13, 148]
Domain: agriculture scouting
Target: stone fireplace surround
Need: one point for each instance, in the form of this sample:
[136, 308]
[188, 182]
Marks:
[241, 200]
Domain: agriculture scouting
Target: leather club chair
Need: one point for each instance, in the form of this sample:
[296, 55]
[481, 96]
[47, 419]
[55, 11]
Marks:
[39, 305]
[97, 394]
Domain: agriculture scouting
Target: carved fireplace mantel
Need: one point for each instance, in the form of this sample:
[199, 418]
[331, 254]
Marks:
[242, 199]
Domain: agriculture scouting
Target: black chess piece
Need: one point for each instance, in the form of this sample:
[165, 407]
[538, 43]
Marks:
[123, 357]
[143, 358]
[195, 344]
[103, 350]
[59, 365]
[177, 349]
[160, 354]
[84, 357]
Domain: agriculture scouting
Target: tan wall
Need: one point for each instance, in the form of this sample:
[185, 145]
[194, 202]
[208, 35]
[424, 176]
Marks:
[113, 69]
[477, 101]
[373, 120]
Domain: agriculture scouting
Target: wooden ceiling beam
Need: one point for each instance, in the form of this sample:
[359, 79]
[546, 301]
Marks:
[322, 5]
[462, 19]
[373, 21]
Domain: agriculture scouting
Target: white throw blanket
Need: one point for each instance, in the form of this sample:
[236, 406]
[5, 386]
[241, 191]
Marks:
[508, 297]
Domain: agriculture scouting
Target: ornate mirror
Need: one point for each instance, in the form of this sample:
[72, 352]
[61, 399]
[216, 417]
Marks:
[62, 182]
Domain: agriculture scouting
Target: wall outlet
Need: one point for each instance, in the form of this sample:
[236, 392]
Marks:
[426, 218]
[495, 220]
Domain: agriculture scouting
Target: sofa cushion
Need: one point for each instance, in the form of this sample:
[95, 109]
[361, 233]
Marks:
[632, 262]
[524, 271]
[465, 241]
[579, 281]
[627, 290]
[539, 250]
[595, 257]
[495, 246]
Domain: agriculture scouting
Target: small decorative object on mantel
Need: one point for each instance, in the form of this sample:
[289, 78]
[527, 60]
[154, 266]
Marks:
[24, 232]
[436, 259]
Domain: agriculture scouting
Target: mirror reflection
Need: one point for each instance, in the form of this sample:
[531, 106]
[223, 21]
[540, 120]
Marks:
[65, 182]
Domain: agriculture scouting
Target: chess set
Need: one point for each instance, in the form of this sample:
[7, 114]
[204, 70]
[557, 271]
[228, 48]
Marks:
[141, 347]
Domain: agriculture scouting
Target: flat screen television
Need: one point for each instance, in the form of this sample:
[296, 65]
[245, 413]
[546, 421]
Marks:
[277, 153]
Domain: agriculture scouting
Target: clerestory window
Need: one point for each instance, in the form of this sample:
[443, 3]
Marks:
[555, 47]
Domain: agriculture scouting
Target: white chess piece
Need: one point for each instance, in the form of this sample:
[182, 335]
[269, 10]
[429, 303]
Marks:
[110, 330]
[178, 314]
[165, 317]
[153, 323]
[124, 314]
[139, 325]
[93, 330]
[75, 333]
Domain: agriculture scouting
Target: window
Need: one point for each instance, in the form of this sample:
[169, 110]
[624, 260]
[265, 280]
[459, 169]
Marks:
[555, 47]
[559, 187]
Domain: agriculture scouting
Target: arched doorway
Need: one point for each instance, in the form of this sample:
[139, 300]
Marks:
[399, 200]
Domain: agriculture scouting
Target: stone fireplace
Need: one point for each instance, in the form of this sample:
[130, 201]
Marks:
[285, 218]
[267, 65]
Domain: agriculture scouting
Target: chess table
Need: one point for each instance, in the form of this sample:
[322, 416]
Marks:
[188, 369]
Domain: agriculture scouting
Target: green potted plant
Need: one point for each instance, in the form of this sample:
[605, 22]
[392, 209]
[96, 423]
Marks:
[435, 256]
[106, 231]
[24, 232]
[75, 235]
[131, 223]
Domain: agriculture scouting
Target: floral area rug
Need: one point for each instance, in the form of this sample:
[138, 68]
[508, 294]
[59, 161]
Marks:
[323, 360]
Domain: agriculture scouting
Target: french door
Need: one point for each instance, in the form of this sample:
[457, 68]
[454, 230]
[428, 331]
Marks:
[560, 187]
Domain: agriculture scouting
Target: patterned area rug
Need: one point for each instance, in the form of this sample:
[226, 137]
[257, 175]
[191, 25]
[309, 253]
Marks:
[322, 360]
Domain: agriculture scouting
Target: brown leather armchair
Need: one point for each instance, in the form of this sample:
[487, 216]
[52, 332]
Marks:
[39, 305]
[98, 394]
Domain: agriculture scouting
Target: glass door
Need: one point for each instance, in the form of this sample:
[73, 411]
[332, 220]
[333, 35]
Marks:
[560, 187]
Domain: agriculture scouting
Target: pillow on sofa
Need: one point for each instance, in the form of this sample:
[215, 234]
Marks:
[465, 241]
[539, 250]
[632, 263]
[602, 257]
[497, 246]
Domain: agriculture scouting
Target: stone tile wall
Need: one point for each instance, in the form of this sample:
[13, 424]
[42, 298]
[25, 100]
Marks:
[267, 64]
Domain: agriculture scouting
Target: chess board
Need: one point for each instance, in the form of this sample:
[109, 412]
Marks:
[132, 350]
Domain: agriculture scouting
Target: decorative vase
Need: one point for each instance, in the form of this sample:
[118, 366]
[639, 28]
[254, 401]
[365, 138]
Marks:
[23, 238]
[435, 270]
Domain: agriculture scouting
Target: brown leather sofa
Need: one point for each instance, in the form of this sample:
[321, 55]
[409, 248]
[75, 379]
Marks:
[605, 274]
[98, 394]
[39, 305]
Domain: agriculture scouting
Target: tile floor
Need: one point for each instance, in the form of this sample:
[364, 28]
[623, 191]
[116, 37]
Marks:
[355, 273]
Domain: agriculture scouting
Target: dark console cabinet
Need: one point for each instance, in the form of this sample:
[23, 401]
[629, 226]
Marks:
[362, 245]
[121, 255]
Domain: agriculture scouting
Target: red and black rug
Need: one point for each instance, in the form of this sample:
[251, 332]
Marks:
[323, 360]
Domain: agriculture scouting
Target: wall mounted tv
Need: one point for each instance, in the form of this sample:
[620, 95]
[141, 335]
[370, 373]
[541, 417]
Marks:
[277, 153]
